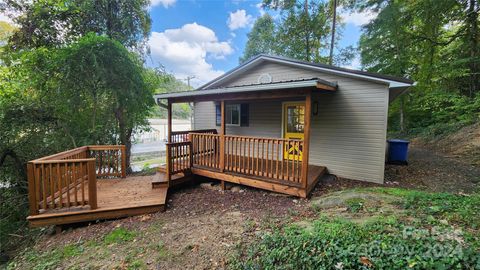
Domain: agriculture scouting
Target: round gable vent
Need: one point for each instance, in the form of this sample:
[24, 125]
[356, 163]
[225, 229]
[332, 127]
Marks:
[265, 78]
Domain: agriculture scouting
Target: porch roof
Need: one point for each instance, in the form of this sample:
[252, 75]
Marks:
[283, 86]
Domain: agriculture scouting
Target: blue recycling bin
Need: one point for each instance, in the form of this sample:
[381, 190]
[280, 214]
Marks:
[397, 151]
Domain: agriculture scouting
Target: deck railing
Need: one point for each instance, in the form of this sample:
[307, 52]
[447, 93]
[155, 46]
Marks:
[179, 157]
[264, 157]
[68, 179]
[206, 149]
[255, 156]
[183, 136]
[110, 160]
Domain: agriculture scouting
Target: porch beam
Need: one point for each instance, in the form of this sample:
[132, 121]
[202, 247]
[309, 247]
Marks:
[246, 96]
[222, 138]
[306, 138]
[169, 121]
[169, 140]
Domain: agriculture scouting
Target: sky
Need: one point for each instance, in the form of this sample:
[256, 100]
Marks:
[205, 38]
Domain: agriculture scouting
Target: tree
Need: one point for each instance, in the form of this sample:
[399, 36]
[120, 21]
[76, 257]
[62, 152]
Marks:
[261, 38]
[111, 81]
[431, 42]
[51, 23]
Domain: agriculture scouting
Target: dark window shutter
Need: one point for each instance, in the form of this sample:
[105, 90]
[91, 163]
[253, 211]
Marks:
[244, 114]
[218, 115]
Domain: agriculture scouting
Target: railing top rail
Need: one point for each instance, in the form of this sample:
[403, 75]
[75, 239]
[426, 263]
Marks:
[105, 147]
[194, 131]
[178, 143]
[64, 154]
[261, 138]
[49, 161]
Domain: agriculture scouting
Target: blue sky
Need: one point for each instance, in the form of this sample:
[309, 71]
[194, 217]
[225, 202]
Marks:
[206, 38]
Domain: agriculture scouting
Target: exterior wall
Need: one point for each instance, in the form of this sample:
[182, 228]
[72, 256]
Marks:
[348, 134]
[204, 115]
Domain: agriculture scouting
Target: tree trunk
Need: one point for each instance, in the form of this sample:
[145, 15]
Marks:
[402, 116]
[125, 136]
[472, 20]
[334, 23]
[307, 38]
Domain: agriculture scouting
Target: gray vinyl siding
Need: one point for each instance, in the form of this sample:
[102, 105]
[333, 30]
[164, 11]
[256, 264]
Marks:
[348, 134]
[204, 115]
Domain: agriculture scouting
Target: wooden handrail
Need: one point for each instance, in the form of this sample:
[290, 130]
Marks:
[58, 181]
[179, 158]
[65, 154]
[181, 136]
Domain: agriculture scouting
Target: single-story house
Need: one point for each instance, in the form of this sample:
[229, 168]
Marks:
[279, 124]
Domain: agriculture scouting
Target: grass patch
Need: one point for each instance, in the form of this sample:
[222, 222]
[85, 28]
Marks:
[462, 210]
[434, 231]
[50, 260]
[119, 235]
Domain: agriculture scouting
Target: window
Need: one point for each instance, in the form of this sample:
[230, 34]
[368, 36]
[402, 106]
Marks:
[235, 115]
[232, 115]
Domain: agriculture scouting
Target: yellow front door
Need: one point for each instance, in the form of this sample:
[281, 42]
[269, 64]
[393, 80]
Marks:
[293, 125]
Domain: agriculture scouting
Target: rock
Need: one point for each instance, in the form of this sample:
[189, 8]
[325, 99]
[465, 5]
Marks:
[206, 185]
[210, 186]
[235, 189]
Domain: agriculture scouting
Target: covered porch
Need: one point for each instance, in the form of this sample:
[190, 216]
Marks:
[279, 164]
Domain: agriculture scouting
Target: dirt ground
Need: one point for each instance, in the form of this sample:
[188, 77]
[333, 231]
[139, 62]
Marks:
[202, 224]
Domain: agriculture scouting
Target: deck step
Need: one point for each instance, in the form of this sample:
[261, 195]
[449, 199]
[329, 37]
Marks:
[162, 168]
[159, 180]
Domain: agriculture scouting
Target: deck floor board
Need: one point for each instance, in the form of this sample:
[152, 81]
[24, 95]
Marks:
[115, 197]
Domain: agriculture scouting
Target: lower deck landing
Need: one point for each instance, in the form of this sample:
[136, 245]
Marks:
[116, 198]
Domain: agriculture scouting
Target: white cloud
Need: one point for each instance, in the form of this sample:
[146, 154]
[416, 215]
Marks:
[260, 8]
[239, 19]
[5, 18]
[357, 18]
[164, 3]
[185, 51]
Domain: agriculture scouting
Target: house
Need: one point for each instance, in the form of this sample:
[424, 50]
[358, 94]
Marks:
[273, 123]
[279, 124]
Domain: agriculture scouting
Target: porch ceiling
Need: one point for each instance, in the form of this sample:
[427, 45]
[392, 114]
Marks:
[265, 90]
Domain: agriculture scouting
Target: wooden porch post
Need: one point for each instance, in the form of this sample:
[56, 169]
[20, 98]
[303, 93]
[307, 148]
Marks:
[92, 184]
[32, 199]
[306, 139]
[169, 121]
[222, 138]
[169, 140]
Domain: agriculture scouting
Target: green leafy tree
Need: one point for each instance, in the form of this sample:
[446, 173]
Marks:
[261, 38]
[304, 31]
[52, 23]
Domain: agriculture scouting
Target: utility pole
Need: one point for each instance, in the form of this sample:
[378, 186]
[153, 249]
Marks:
[190, 104]
[188, 80]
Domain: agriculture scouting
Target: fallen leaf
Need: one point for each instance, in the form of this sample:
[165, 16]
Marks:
[365, 261]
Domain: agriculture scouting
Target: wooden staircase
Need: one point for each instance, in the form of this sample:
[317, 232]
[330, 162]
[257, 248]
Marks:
[160, 178]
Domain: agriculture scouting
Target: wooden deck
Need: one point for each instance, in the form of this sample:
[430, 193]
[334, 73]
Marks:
[116, 198]
[271, 184]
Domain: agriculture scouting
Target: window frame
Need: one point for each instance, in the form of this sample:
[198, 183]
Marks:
[228, 122]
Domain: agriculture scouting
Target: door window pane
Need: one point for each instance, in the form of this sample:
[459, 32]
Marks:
[295, 119]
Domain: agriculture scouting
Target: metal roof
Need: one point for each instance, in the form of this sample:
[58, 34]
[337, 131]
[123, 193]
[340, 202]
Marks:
[313, 82]
[392, 81]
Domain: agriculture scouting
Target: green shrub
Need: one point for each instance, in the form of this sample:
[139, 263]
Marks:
[340, 244]
[434, 113]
